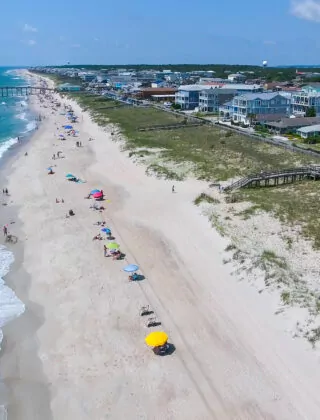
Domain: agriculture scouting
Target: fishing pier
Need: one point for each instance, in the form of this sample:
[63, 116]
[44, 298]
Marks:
[11, 91]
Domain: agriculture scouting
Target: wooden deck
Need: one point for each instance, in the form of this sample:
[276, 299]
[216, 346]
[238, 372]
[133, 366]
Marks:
[275, 178]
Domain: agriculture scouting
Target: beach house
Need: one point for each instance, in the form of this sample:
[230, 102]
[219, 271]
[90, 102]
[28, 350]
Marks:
[236, 78]
[211, 99]
[187, 96]
[257, 106]
[308, 97]
[308, 132]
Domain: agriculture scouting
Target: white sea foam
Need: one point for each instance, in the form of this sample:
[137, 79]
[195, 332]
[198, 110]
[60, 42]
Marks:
[21, 116]
[31, 126]
[11, 306]
[6, 145]
[23, 103]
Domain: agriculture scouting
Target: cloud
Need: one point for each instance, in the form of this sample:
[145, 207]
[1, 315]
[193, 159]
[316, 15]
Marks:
[75, 45]
[269, 42]
[29, 42]
[96, 39]
[306, 9]
[29, 28]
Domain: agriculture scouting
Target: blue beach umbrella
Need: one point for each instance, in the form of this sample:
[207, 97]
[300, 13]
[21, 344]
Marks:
[94, 191]
[106, 230]
[70, 176]
[131, 268]
[68, 127]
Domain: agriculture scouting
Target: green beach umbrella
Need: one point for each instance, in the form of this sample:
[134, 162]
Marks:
[113, 245]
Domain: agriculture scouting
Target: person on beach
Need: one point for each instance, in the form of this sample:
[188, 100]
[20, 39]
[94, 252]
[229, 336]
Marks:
[172, 188]
[5, 230]
[105, 251]
[6, 191]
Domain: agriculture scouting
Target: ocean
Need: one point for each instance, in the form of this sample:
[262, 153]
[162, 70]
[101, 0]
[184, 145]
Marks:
[16, 121]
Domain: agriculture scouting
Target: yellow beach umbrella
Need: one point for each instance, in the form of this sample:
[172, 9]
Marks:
[112, 245]
[156, 338]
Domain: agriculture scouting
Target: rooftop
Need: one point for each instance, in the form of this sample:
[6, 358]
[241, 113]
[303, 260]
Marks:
[310, 129]
[260, 95]
[218, 89]
[241, 86]
[295, 122]
[193, 88]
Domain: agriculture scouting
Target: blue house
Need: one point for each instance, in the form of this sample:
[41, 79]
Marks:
[188, 96]
[258, 106]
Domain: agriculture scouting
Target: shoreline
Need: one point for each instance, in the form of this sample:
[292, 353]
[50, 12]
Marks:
[18, 280]
[82, 353]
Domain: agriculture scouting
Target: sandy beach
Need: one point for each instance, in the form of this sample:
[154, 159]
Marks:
[78, 352]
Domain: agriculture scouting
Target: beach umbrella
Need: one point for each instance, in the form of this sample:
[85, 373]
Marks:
[68, 127]
[112, 245]
[98, 195]
[106, 230]
[131, 268]
[156, 339]
[94, 192]
[70, 176]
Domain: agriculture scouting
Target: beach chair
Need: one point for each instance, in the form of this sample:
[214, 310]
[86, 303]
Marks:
[145, 310]
[152, 322]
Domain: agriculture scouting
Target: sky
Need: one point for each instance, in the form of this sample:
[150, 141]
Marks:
[284, 32]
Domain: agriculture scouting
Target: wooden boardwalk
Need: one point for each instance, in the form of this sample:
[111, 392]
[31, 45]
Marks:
[275, 178]
[8, 91]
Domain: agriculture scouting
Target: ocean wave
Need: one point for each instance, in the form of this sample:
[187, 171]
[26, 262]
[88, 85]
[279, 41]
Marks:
[22, 116]
[31, 126]
[11, 306]
[3, 148]
[23, 103]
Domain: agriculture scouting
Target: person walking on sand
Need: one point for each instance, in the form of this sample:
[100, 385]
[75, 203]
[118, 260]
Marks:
[105, 251]
[173, 189]
[5, 230]
[6, 191]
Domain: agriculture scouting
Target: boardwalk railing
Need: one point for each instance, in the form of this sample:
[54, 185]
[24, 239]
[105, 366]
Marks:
[285, 174]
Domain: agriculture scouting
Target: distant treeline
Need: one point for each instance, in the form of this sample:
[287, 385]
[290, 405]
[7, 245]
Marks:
[276, 74]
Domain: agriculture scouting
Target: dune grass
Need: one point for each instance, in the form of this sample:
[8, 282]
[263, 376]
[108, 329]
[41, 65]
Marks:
[213, 155]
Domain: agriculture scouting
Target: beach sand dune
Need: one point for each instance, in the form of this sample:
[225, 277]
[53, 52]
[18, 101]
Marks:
[84, 356]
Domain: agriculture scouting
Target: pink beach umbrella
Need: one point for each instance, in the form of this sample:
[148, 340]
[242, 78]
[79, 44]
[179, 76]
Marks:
[98, 195]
